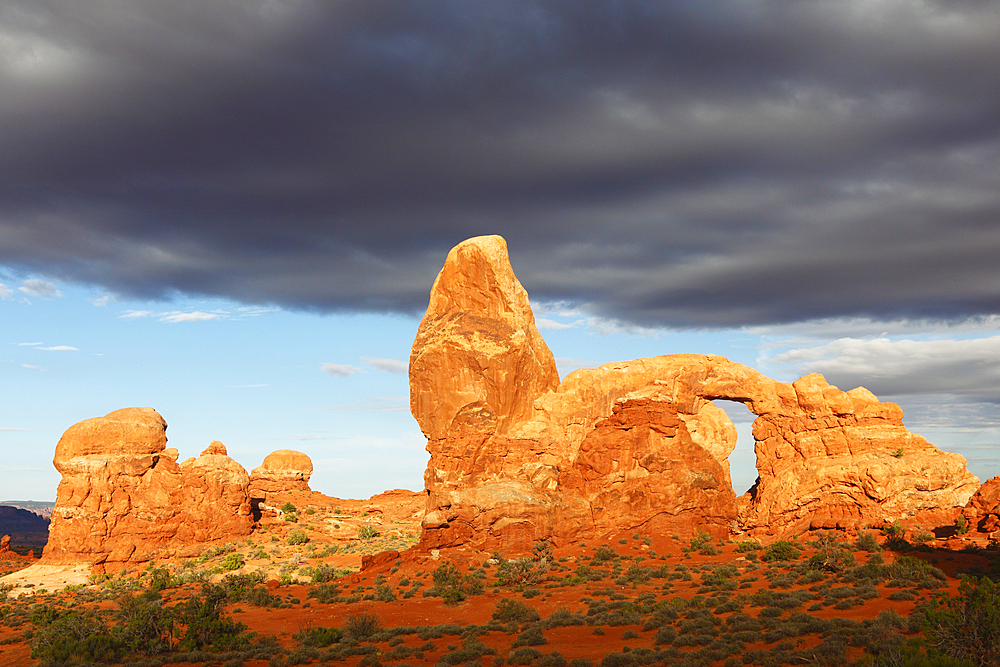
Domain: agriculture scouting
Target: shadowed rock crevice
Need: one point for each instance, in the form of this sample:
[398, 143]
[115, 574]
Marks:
[517, 456]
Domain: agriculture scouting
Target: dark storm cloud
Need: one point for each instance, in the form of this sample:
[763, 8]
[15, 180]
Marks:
[685, 164]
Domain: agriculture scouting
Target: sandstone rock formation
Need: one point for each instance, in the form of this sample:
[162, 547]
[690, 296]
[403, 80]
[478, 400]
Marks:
[283, 470]
[517, 456]
[123, 497]
[478, 361]
[4, 544]
[983, 510]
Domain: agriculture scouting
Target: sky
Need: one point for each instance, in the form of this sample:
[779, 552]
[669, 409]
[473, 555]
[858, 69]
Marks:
[233, 211]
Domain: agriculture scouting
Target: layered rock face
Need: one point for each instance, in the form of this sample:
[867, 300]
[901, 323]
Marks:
[123, 497]
[983, 510]
[517, 456]
[283, 470]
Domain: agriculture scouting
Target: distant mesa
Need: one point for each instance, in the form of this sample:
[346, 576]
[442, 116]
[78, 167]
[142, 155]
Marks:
[516, 456]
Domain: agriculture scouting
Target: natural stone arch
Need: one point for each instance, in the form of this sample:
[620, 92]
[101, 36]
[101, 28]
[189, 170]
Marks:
[517, 456]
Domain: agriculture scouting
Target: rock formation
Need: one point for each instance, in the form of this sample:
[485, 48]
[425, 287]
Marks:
[4, 544]
[283, 470]
[517, 456]
[478, 361]
[123, 497]
[983, 510]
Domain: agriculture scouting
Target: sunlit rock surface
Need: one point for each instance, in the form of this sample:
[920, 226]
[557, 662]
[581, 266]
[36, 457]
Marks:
[517, 456]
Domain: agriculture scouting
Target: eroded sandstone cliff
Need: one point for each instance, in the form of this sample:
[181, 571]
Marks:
[123, 497]
[517, 456]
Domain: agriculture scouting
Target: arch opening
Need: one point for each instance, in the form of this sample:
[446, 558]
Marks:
[743, 459]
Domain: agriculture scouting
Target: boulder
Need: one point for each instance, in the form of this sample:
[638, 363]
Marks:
[983, 510]
[124, 499]
[283, 470]
[516, 456]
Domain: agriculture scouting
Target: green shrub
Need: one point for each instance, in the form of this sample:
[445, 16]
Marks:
[160, 579]
[367, 532]
[362, 626]
[780, 551]
[68, 637]
[247, 588]
[866, 542]
[507, 610]
[524, 655]
[452, 586]
[233, 561]
[472, 650]
[967, 626]
[895, 537]
[532, 636]
[320, 637]
[323, 573]
[144, 626]
[297, 537]
[207, 627]
[603, 554]
[517, 573]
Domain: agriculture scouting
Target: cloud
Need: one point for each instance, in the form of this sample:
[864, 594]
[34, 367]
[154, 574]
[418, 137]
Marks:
[244, 386]
[59, 348]
[5, 292]
[255, 311]
[194, 316]
[12, 428]
[547, 324]
[967, 367]
[32, 368]
[695, 165]
[339, 370]
[29, 344]
[104, 300]
[175, 316]
[40, 288]
[387, 365]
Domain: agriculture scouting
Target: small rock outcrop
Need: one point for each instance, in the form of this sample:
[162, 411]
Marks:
[283, 470]
[123, 497]
[516, 456]
[983, 510]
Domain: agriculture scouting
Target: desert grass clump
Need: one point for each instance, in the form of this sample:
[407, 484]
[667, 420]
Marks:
[508, 610]
[362, 626]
